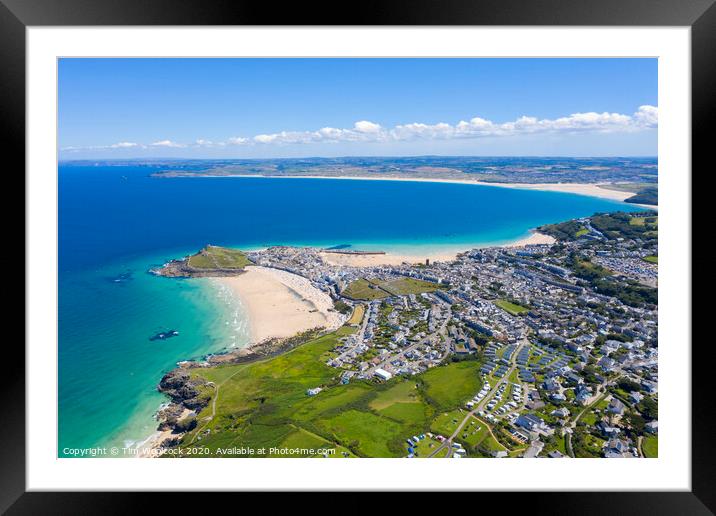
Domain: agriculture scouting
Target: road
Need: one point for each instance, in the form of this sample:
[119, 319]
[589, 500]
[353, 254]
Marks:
[513, 361]
[401, 354]
[361, 333]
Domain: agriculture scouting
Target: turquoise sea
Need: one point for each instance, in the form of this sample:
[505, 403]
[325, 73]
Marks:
[115, 222]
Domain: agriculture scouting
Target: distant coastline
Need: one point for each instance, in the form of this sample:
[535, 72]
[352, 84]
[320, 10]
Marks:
[186, 215]
[599, 190]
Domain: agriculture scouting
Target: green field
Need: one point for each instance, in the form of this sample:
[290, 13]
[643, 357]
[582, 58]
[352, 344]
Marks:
[405, 286]
[450, 386]
[581, 232]
[590, 417]
[477, 433]
[365, 290]
[426, 447]
[370, 289]
[213, 257]
[264, 404]
[367, 433]
[511, 308]
[403, 392]
[490, 444]
[447, 422]
[303, 440]
[650, 446]
[651, 259]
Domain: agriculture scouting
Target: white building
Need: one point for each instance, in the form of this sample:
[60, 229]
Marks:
[382, 374]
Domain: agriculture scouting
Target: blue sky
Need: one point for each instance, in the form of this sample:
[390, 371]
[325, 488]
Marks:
[216, 108]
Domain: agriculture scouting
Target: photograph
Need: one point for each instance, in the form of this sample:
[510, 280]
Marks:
[399, 235]
[358, 257]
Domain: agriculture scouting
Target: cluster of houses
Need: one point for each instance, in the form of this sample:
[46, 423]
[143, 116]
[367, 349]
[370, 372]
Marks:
[571, 331]
[399, 335]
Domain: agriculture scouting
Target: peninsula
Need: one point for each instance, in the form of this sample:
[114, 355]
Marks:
[538, 350]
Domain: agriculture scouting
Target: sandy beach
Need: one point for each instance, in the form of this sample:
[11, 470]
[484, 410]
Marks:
[374, 260]
[535, 238]
[281, 304]
[371, 260]
[151, 446]
[590, 189]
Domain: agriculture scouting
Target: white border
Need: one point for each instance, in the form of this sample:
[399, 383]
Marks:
[670, 471]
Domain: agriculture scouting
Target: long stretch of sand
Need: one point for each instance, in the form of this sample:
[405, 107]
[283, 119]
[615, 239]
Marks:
[590, 189]
[281, 304]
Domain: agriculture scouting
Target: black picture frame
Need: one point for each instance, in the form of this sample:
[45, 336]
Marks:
[700, 15]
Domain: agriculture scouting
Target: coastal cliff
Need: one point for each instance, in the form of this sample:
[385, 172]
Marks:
[189, 393]
[211, 261]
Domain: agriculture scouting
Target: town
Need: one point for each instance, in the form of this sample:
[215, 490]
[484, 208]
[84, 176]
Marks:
[565, 334]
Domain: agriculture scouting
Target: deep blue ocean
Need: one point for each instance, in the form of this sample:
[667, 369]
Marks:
[115, 222]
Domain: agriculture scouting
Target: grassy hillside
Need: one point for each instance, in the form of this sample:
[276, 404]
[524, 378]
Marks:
[264, 404]
[213, 257]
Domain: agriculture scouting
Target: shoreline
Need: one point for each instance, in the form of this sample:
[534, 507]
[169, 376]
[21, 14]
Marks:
[280, 304]
[151, 446]
[588, 189]
[535, 238]
[389, 258]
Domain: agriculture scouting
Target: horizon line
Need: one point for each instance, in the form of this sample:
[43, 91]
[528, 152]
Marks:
[553, 156]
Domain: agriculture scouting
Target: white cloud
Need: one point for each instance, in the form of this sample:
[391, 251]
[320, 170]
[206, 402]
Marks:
[209, 143]
[646, 117]
[124, 145]
[364, 126]
[167, 143]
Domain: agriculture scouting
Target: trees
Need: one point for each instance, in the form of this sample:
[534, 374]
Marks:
[342, 307]
[562, 231]
[635, 422]
[628, 385]
[648, 408]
